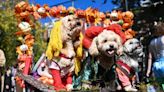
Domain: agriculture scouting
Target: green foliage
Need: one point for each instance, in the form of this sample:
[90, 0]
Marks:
[40, 45]
[8, 40]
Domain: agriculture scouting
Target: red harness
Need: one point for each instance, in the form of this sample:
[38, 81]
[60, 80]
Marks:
[64, 56]
[120, 65]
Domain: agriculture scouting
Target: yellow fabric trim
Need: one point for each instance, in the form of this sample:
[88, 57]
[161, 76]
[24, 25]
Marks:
[55, 43]
[79, 55]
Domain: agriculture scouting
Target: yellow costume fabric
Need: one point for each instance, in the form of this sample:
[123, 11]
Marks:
[79, 55]
[55, 45]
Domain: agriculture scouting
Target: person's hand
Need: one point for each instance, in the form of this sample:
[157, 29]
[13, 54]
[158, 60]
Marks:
[148, 73]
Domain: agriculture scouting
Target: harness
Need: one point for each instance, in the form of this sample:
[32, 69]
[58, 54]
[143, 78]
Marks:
[120, 65]
[64, 56]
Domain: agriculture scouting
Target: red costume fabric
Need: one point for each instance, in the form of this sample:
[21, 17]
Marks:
[93, 31]
[60, 83]
[90, 33]
[125, 73]
[118, 30]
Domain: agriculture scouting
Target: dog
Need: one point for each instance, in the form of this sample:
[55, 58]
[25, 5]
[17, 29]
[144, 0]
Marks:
[71, 28]
[128, 63]
[64, 41]
[103, 48]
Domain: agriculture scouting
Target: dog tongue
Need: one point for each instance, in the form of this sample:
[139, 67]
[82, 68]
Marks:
[111, 52]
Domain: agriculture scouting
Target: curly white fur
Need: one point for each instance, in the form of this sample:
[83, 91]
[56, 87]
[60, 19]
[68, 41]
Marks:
[70, 31]
[107, 42]
[133, 50]
[71, 27]
[105, 46]
[69, 87]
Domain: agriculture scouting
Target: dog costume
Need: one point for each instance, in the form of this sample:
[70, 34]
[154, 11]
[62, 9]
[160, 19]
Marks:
[128, 63]
[62, 71]
[92, 66]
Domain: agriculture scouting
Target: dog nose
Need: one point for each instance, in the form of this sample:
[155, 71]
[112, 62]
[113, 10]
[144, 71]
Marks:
[78, 23]
[111, 46]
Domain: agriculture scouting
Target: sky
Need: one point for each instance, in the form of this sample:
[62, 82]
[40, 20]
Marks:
[78, 4]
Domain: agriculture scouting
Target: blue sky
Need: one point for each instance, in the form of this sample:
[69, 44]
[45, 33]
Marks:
[81, 4]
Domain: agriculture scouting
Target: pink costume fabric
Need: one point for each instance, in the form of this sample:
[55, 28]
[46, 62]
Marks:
[124, 78]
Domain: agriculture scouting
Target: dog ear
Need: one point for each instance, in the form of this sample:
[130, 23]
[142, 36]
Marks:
[93, 50]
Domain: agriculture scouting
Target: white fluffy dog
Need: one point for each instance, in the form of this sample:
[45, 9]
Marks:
[134, 50]
[105, 46]
[128, 63]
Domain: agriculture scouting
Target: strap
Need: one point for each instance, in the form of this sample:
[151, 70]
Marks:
[123, 70]
[129, 75]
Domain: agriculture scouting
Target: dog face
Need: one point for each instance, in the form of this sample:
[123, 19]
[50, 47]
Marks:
[72, 25]
[133, 47]
[107, 42]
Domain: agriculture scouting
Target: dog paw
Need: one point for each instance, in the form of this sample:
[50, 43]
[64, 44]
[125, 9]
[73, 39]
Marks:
[119, 87]
[130, 88]
[86, 86]
[69, 87]
[71, 54]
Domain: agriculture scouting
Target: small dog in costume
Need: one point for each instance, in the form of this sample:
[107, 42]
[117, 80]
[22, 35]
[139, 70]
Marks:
[103, 44]
[127, 64]
[64, 51]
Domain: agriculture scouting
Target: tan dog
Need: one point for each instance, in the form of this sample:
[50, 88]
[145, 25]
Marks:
[65, 43]
[71, 28]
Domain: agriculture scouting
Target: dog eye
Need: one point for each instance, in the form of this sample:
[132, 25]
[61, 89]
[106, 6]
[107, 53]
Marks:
[130, 43]
[105, 40]
[69, 20]
[115, 40]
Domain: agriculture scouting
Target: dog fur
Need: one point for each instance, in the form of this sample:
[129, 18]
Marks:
[71, 28]
[64, 64]
[104, 47]
[132, 51]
